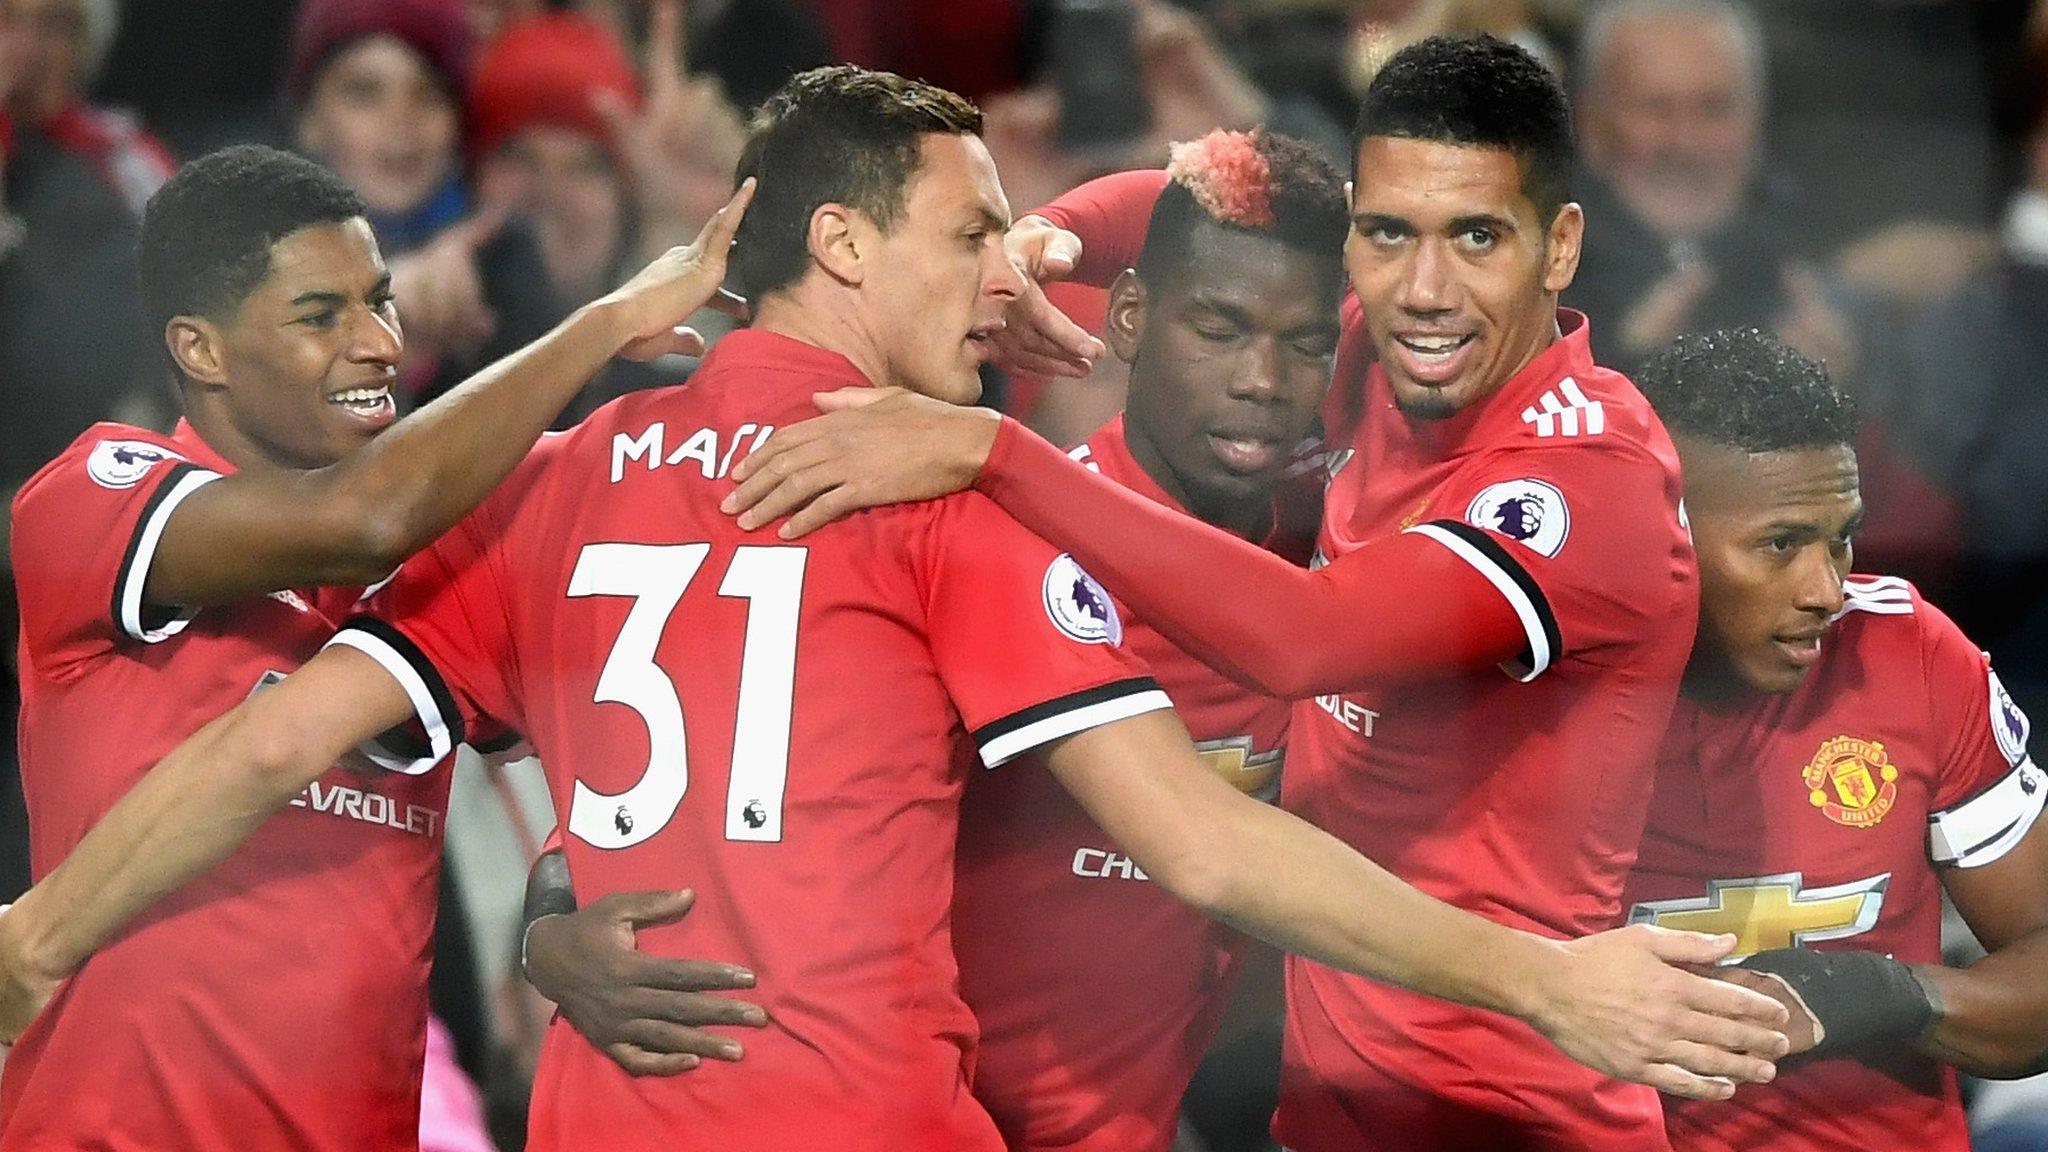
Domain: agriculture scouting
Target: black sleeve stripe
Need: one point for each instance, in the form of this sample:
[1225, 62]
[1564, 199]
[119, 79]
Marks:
[1537, 605]
[130, 615]
[1020, 731]
[399, 642]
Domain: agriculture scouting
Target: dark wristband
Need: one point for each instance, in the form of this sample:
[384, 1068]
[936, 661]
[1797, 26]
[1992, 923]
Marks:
[1858, 997]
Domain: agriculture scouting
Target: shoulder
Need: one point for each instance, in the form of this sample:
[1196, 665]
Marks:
[107, 458]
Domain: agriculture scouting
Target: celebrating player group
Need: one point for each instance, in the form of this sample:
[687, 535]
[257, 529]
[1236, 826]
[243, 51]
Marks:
[1533, 712]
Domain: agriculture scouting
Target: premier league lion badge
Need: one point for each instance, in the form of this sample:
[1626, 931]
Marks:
[1529, 511]
[1078, 606]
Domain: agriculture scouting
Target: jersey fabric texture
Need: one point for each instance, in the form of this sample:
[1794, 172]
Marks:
[280, 999]
[1822, 818]
[784, 727]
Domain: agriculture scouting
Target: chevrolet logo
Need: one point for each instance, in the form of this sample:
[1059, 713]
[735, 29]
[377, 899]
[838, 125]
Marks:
[1252, 773]
[1766, 912]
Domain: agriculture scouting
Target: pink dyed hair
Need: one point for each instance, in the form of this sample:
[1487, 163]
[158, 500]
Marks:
[1227, 175]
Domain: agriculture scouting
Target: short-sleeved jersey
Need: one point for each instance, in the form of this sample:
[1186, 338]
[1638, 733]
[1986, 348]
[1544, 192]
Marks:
[1822, 817]
[1518, 794]
[784, 727]
[1098, 993]
[279, 1000]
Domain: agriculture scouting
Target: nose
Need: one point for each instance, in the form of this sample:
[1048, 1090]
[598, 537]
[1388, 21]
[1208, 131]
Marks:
[999, 277]
[1426, 285]
[1820, 581]
[1258, 371]
[376, 339]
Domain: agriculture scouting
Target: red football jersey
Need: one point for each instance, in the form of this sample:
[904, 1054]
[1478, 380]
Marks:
[1098, 993]
[1820, 817]
[1519, 795]
[784, 727]
[280, 1000]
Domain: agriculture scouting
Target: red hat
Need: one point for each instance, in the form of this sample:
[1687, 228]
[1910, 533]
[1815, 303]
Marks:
[438, 29]
[548, 69]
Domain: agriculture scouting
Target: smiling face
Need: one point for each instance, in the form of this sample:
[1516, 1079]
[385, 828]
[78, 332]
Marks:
[939, 279]
[383, 119]
[300, 373]
[1230, 356]
[1773, 531]
[1457, 271]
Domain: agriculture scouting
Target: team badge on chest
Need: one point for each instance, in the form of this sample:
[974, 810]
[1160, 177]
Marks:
[1852, 781]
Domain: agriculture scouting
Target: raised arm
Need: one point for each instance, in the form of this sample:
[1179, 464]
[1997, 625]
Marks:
[355, 521]
[1612, 1001]
[1406, 607]
[189, 812]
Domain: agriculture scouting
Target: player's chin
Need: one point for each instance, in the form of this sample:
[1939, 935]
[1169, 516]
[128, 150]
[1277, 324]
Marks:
[1771, 673]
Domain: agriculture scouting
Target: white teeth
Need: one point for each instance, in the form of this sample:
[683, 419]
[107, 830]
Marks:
[1433, 345]
[361, 395]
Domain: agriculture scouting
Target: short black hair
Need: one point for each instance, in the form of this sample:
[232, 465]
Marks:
[1298, 198]
[835, 135]
[1478, 91]
[1746, 389]
[206, 234]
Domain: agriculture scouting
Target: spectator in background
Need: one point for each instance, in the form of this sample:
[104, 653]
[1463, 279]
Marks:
[374, 91]
[1689, 229]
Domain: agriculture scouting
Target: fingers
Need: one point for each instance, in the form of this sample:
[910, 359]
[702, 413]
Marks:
[667, 974]
[731, 303]
[827, 507]
[845, 398]
[1736, 1037]
[1060, 256]
[477, 231]
[638, 1061]
[1675, 947]
[715, 238]
[696, 1010]
[679, 341]
[641, 909]
[790, 482]
[1800, 1016]
[660, 1036]
[1675, 1081]
[1721, 998]
[784, 440]
[664, 67]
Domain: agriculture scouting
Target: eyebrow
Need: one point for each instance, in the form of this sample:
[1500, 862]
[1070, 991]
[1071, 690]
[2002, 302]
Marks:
[1481, 220]
[1224, 309]
[334, 299]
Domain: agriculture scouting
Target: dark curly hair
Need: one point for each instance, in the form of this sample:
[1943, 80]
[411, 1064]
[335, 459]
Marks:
[1257, 182]
[1745, 389]
[835, 135]
[206, 234]
[1477, 90]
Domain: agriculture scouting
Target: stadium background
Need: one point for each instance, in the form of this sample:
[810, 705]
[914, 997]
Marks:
[1868, 178]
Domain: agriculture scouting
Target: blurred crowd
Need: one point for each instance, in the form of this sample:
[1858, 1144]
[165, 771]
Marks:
[1866, 178]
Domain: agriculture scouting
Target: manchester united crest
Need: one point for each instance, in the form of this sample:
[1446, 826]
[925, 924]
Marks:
[1852, 781]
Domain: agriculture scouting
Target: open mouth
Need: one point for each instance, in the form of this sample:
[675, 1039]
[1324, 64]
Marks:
[1801, 650]
[1433, 358]
[371, 405]
[1246, 453]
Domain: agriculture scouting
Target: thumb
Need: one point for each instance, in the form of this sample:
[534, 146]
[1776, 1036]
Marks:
[846, 398]
[617, 114]
[1676, 947]
[1061, 254]
[647, 909]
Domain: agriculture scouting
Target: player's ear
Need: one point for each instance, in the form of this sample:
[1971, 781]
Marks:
[199, 348]
[1124, 324]
[839, 238]
[1561, 247]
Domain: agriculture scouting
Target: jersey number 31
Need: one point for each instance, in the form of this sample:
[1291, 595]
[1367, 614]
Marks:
[771, 580]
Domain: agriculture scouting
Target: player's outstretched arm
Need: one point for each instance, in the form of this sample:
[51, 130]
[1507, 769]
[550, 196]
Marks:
[1401, 608]
[353, 522]
[648, 1013]
[1612, 1001]
[189, 812]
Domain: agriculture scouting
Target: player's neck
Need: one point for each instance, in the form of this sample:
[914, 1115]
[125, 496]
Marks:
[1715, 688]
[215, 426]
[822, 325]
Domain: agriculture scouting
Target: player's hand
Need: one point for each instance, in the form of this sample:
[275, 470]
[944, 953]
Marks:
[648, 1013]
[679, 282]
[873, 446]
[1802, 1028]
[1617, 1005]
[1038, 339]
[23, 989]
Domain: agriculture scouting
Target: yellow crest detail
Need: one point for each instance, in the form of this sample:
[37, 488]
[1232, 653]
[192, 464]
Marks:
[1853, 782]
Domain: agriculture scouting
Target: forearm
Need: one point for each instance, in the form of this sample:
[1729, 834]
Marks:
[1305, 891]
[1993, 1015]
[1402, 608]
[188, 813]
[428, 470]
[1111, 215]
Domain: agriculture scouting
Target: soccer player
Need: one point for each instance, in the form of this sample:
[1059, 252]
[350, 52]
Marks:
[280, 1001]
[1096, 992]
[1489, 657]
[1841, 755]
[835, 693]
